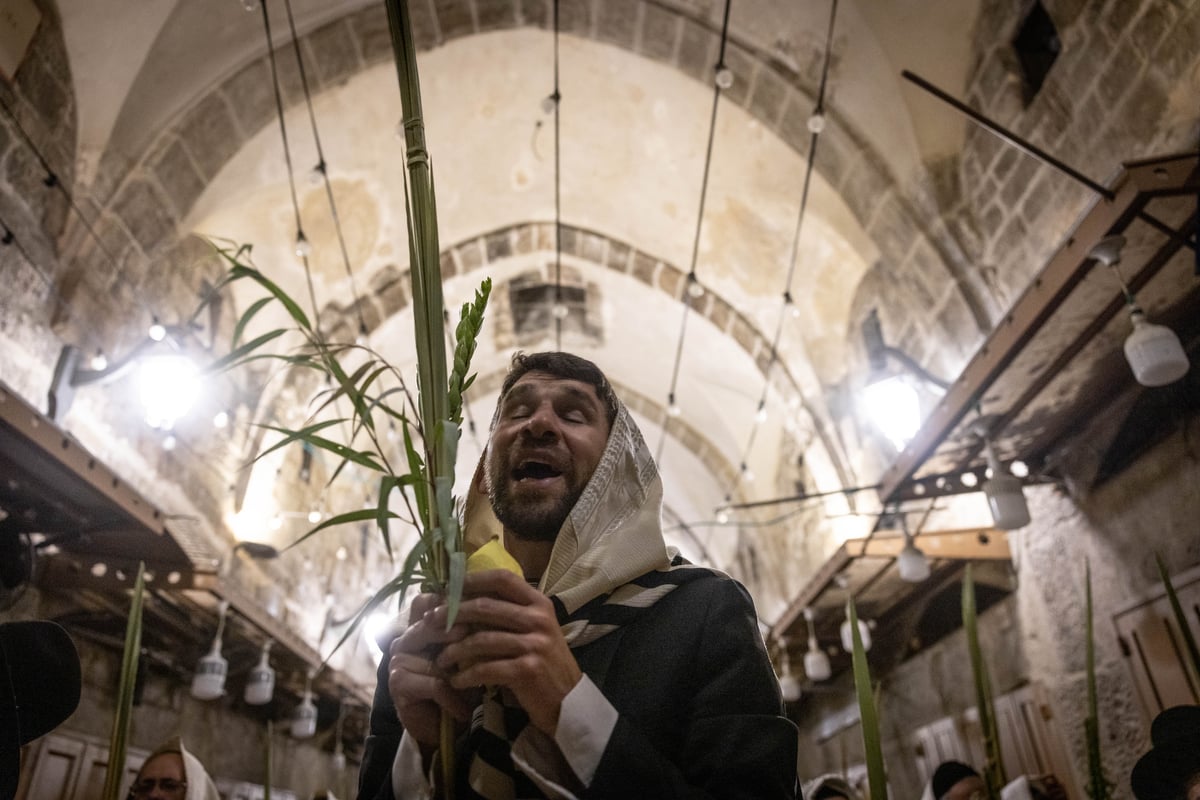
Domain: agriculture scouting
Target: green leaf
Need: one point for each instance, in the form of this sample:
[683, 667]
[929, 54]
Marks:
[359, 515]
[398, 585]
[454, 586]
[236, 355]
[993, 770]
[362, 458]
[872, 747]
[1189, 641]
[129, 667]
[244, 320]
[1098, 785]
[240, 271]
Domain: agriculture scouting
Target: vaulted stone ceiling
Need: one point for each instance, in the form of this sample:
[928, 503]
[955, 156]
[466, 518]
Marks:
[177, 102]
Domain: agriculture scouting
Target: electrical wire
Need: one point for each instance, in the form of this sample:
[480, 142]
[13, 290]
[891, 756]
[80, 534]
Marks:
[301, 240]
[557, 98]
[788, 301]
[323, 168]
[692, 281]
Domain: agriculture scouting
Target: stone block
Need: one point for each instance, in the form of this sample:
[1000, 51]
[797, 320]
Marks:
[447, 266]
[1138, 120]
[568, 239]
[1119, 75]
[1119, 17]
[1005, 164]
[525, 235]
[369, 27]
[455, 18]
[1018, 183]
[546, 237]
[366, 314]
[671, 281]
[288, 70]
[1179, 53]
[643, 268]
[616, 22]
[499, 245]
[250, 96]
[660, 33]
[49, 98]
[210, 134]
[591, 247]
[495, 15]
[743, 66]
[390, 289]
[334, 53]
[697, 51]
[767, 97]
[743, 333]
[1036, 200]
[892, 228]
[862, 187]
[181, 182]
[470, 255]
[1152, 27]
[144, 214]
[575, 16]
[535, 13]
[618, 256]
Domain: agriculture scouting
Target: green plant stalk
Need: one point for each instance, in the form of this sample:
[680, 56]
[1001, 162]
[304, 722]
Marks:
[1192, 662]
[1098, 785]
[872, 748]
[129, 665]
[267, 760]
[993, 771]
[428, 310]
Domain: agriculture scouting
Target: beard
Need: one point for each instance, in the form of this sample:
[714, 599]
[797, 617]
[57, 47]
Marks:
[531, 519]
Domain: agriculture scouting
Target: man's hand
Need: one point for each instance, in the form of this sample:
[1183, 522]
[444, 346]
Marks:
[418, 687]
[506, 634]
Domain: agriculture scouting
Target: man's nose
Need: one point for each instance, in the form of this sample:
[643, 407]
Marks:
[542, 422]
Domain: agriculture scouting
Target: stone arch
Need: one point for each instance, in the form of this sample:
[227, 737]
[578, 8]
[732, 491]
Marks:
[389, 294]
[143, 203]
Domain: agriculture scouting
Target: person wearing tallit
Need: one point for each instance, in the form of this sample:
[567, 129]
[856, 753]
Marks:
[611, 669]
[172, 773]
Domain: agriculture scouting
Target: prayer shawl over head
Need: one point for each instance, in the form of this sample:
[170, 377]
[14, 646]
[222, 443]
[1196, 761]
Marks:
[199, 784]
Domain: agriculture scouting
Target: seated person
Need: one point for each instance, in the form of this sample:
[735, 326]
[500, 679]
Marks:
[172, 773]
[829, 787]
[1171, 770]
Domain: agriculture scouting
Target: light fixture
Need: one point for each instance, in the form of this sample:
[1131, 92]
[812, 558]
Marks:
[314, 516]
[912, 564]
[303, 246]
[209, 680]
[221, 419]
[339, 753]
[99, 361]
[847, 633]
[156, 331]
[724, 77]
[789, 687]
[816, 123]
[816, 662]
[1154, 352]
[167, 386]
[889, 400]
[260, 686]
[1005, 497]
[304, 719]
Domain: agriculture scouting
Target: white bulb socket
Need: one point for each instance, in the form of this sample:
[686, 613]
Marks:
[1154, 352]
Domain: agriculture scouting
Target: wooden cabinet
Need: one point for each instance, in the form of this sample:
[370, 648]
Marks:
[64, 767]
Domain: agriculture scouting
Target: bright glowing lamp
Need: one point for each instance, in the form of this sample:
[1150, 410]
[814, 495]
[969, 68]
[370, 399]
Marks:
[167, 386]
[892, 406]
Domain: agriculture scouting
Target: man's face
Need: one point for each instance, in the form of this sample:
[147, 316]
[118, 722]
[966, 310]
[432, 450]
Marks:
[966, 789]
[548, 439]
[161, 778]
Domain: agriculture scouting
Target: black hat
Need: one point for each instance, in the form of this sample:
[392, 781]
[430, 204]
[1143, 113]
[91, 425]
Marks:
[1174, 758]
[39, 688]
[947, 774]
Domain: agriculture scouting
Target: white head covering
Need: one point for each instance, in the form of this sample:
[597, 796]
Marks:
[614, 532]
[199, 785]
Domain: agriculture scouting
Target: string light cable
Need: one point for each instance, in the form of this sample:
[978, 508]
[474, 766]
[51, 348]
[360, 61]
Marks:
[722, 79]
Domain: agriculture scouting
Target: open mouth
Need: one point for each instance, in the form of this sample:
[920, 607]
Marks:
[535, 471]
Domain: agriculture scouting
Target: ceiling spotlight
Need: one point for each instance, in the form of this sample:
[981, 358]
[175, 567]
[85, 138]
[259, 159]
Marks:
[816, 662]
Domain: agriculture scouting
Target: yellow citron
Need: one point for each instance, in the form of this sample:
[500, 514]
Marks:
[493, 556]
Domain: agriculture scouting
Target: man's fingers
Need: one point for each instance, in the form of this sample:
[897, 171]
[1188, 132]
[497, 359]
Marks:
[482, 646]
[500, 583]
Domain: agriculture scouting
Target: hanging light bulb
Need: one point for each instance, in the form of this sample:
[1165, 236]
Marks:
[847, 633]
[1154, 352]
[724, 78]
[1005, 497]
[694, 289]
[761, 414]
[157, 331]
[560, 311]
[911, 563]
[816, 123]
[304, 720]
[303, 246]
[100, 361]
[209, 680]
[816, 663]
[789, 687]
[260, 686]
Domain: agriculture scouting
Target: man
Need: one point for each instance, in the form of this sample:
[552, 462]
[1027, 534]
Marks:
[620, 675]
